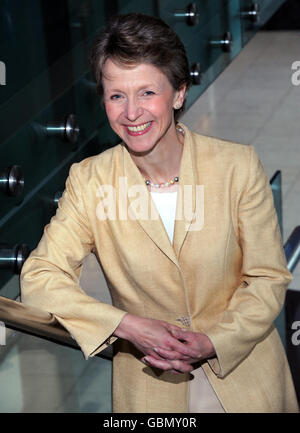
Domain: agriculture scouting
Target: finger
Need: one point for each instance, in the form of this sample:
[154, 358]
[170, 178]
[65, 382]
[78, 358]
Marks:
[181, 334]
[174, 328]
[187, 360]
[155, 354]
[177, 365]
[162, 364]
[184, 349]
[181, 366]
[170, 354]
[165, 354]
[193, 360]
[152, 352]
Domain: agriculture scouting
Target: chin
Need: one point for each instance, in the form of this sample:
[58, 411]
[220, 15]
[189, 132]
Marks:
[139, 148]
[139, 144]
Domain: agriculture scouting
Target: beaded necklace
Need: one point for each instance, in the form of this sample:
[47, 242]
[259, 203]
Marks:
[171, 181]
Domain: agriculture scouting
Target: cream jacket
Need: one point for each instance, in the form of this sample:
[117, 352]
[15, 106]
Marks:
[225, 274]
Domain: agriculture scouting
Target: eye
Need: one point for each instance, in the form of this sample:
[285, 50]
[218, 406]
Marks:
[148, 93]
[115, 97]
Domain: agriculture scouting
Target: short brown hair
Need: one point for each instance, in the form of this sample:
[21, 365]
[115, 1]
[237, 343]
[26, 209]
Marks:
[138, 38]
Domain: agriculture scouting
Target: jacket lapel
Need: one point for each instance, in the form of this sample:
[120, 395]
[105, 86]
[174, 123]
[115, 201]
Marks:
[137, 193]
[186, 194]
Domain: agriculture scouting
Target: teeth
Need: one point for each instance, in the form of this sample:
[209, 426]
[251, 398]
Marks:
[139, 128]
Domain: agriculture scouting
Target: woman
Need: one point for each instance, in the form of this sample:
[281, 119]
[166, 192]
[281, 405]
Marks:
[196, 290]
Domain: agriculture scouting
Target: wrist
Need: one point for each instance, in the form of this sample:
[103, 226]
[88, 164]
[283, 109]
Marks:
[122, 331]
[210, 350]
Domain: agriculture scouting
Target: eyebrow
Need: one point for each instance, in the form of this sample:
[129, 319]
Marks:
[143, 86]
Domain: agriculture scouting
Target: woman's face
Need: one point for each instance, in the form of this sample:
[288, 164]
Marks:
[139, 103]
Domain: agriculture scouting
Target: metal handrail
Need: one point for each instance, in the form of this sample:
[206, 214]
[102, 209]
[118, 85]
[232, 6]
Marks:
[276, 187]
[39, 323]
[292, 249]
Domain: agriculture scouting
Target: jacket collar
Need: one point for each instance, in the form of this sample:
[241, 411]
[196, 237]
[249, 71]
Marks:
[154, 227]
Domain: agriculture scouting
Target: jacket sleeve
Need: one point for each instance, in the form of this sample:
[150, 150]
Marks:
[50, 276]
[259, 298]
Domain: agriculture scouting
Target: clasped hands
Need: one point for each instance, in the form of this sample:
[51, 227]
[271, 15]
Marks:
[166, 346]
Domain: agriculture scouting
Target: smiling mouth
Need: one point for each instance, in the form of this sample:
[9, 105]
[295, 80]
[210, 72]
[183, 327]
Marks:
[138, 129]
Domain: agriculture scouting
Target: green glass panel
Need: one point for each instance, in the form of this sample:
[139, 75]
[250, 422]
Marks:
[40, 32]
[173, 13]
[39, 376]
[212, 59]
[266, 9]
[129, 6]
[25, 223]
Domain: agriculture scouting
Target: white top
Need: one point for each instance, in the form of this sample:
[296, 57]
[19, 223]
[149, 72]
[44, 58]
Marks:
[165, 203]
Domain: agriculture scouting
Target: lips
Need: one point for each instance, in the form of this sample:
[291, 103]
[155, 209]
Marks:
[141, 129]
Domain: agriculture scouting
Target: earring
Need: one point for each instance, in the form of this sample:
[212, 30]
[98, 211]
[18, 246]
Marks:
[177, 106]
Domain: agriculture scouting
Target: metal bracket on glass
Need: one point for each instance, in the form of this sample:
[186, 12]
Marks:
[190, 14]
[252, 13]
[13, 258]
[225, 42]
[12, 181]
[67, 129]
[56, 197]
[195, 73]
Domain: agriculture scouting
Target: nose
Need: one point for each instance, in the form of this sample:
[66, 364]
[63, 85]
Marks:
[132, 109]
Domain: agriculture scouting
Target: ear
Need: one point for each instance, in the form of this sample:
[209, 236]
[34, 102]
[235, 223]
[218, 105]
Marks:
[179, 97]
